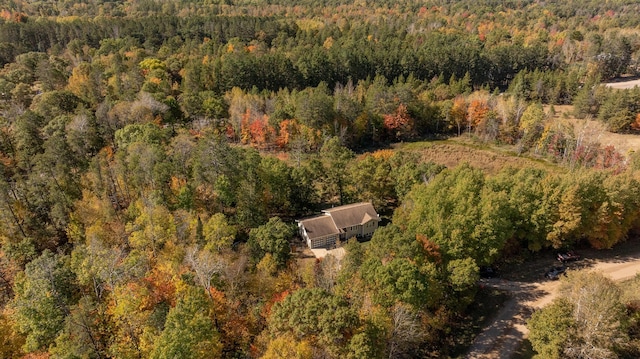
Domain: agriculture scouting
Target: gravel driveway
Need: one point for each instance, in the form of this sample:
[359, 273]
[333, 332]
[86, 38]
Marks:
[503, 336]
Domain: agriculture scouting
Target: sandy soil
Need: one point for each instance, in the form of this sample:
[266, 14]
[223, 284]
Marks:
[623, 84]
[504, 335]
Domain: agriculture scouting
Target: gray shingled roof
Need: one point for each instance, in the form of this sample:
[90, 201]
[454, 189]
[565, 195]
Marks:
[319, 226]
[352, 214]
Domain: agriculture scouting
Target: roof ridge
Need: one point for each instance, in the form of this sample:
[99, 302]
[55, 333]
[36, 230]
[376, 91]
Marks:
[346, 206]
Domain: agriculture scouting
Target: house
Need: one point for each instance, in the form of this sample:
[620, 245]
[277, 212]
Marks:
[358, 220]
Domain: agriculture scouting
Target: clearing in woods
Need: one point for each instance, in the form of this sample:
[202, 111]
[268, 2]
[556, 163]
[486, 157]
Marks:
[596, 131]
[491, 158]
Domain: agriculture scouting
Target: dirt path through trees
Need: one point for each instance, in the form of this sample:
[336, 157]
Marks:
[629, 84]
[504, 335]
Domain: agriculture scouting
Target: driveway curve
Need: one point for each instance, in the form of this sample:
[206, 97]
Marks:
[504, 335]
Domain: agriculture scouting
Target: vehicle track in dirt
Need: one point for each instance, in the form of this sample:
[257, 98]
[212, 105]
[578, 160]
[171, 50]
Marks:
[504, 335]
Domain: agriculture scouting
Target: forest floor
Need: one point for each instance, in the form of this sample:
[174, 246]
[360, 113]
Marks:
[506, 333]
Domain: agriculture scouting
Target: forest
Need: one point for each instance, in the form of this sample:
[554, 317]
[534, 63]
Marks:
[156, 154]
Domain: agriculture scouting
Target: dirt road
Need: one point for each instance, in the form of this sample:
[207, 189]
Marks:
[503, 336]
[629, 84]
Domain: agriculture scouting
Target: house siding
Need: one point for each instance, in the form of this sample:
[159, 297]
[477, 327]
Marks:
[368, 228]
[352, 231]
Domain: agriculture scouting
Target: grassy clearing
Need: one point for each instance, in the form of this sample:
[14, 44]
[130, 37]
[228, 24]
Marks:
[490, 159]
[595, 131]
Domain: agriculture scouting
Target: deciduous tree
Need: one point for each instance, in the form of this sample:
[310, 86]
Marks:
[323, 319]
[598, 313]
[189, 331]
[43, 294]
[285, 347]
[218, 233]
[273, 238]
[551, 328]
[400, 124]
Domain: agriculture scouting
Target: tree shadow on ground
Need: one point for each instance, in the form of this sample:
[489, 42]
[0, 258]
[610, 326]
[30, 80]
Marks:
[533, 270]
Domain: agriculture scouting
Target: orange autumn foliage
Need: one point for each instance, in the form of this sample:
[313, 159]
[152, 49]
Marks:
[635, 125]
[458, 113]
[245, 134]
[161, 288]
[4, 14]
[382, 154]
[477, 112]
[15, 17]
[287, 129]
[400, 123]
[262, 134]
[256, 131]
[278, 297]
[432, 249]
[37, 356]
[219, 301]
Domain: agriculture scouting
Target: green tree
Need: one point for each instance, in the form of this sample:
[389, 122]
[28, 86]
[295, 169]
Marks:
[551, 328]
[216, 168]
[189, 331]
[399, 280]
[325, 320]
[463, 274]
[250, 205]
[218, 233]
[335, 161]
[273, 238]
[277, 181]
[459, 213]
[408, 170]
[43, 294]
[531, 125]
[84, 334]
[375, 182]
[533, 198]
[314, 106]
[614, 57]
[55, 103]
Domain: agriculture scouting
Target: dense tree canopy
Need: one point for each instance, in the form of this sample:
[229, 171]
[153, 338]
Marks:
[154, 155]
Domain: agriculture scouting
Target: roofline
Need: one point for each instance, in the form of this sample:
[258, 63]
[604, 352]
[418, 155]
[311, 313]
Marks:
[321, 215]
[345, 206]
